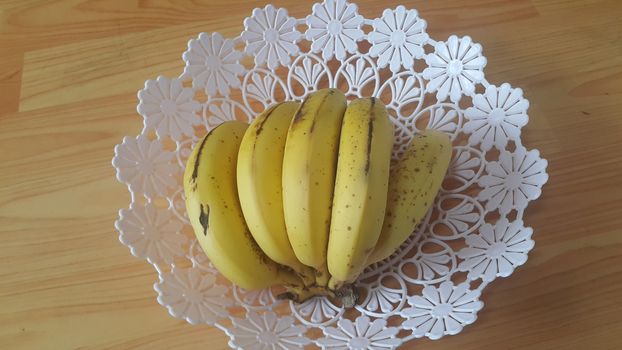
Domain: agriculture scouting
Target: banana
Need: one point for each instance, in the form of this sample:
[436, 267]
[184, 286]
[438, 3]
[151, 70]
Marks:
[215, 214]
[413, 184]
[360, 193]
[259, 168]
[309, 165]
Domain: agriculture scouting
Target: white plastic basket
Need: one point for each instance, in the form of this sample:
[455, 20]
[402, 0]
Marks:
[431, 286]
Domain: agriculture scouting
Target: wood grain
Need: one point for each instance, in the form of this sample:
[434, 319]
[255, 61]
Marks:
[69, 72]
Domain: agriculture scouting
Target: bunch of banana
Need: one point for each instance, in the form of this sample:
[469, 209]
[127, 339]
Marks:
[304, 197]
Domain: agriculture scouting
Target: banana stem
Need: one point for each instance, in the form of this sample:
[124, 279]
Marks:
[322, 277]
[348, 296]
[308, 279]
[299, 294]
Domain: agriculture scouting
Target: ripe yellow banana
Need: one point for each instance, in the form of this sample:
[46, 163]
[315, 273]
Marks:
[309, 165]
[215, 214]
[360, 194]
[413, 184]
[259, 170]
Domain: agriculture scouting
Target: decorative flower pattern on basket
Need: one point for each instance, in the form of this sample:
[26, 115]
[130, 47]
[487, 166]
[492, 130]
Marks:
[168, 108]
[459, 220]
[454, 68]
[177, 205]
[197, 257]
[144, 166]
[194, 295]
[441, 311]
[263, 86]
[432, 265]
[496, 117]
[151, 233]
[442, 117]
[360, 334]
[266, 331]
[255, 299]
[334, 28]
[308, 70]
[213, 64]
[358, 71]
[398, 38]
[316, 311]
[405, 89]
[383, 298]
[271, 36]
[465, 168]
[434, 262]
[218, 111]
[497, 250]
[513, 181]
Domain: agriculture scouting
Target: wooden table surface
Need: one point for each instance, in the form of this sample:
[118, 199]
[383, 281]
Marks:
[69, 72]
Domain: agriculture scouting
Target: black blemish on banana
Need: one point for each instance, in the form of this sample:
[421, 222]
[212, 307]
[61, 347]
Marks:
[370, 131]
[299, 114]
[259, 128]
[332, 92]
[204, 218]
[263, 258]
[195, 171]
[312, 127]
[300, 111]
